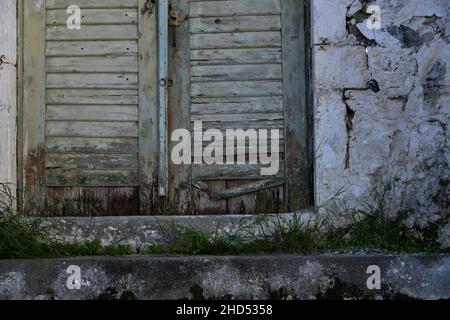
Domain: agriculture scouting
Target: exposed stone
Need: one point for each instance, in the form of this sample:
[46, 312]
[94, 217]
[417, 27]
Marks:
[342, 67]
[444, 236]
[398, 138]
[356, 6]
[329, 20]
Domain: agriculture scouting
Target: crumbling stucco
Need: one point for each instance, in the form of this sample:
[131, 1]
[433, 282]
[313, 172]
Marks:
[396, 139]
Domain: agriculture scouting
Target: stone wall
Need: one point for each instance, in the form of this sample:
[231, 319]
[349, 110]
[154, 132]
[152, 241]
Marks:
[392, 144]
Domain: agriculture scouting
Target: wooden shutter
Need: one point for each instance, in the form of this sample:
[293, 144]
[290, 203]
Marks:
[89, 107]
[241, 64]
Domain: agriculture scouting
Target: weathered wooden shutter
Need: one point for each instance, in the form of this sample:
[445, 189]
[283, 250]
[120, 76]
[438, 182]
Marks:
[241, 65]
[89, 106]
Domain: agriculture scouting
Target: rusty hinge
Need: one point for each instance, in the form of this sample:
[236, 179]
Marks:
[149, 6]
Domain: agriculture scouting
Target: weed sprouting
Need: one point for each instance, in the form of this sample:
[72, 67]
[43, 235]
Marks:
[29, 238]
[372, 229]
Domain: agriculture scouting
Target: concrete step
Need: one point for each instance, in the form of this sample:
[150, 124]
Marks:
[239, 277]
[142, 231]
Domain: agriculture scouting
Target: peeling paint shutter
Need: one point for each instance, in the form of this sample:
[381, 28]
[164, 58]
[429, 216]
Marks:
[88, 105]
[241, 73]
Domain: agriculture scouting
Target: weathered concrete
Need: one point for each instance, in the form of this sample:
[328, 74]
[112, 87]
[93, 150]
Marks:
[140, 232]
[246, 277]
[391, 145]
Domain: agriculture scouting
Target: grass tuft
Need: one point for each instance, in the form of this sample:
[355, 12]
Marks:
[373, 230]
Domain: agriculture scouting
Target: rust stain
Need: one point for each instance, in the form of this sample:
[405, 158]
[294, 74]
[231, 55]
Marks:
[34, 168]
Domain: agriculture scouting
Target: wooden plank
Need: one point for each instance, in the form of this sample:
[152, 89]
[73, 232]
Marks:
[92, 81]
[93, 112]
[268, 39]
[94, 16]
[92, 48]
[234, 8]
[204, 204]
[241, 116]
[91, 145]
[8, 93]
[93, 201]
[89, 4]
[244, 204]
[248, 188]
[93, 32]
[236, 105]
[93, 64]
[295, 93]
[232, 172]
[265, 201]
[92, 161]
[244, 151]
[33, 136]
[238, 124]
[237, 72]
[237, 88]
[163, 61]
[92, 178]
[148, 111]
[200, 137]
[77, 96]
[235, 56]
[92, 129]
[235, 24]
[180, 190]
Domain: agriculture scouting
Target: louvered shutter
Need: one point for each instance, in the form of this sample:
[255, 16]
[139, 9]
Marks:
[89, 105]
[246, 70]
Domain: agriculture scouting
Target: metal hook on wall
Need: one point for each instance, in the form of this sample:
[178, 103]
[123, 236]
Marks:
[4, 60]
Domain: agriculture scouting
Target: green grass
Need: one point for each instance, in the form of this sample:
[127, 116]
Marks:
[374, 230]
[25, 238]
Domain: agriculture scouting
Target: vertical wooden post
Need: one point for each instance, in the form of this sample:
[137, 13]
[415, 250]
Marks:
[148, 106]
[8, 92]
[34, 105]
[298, 164]
[163, 56]
[179, 105]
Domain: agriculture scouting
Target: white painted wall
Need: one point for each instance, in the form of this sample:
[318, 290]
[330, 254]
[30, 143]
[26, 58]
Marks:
[8, 92]
[398, 141]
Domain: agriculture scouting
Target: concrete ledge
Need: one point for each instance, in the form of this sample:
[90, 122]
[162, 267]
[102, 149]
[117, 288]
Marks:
[141, 231]
[245, 277]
